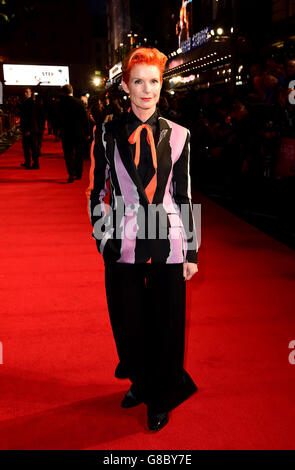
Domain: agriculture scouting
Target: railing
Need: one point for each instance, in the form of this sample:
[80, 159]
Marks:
[9, 123]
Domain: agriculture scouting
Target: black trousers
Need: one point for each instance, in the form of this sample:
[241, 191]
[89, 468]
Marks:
[39, 141]
[30, 147]
[146, 305]
[74, 153]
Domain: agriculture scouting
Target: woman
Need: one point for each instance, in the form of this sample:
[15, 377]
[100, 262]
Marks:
[146, 247]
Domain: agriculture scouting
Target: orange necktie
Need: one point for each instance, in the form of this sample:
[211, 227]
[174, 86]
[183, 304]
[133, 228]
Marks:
[135, 139]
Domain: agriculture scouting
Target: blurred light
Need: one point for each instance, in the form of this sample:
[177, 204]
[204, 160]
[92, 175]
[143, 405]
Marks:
[36, 94]
[240, 68]
[212, 32]
[180, 79]
[172, 92]
[121, 44]
[87, 94]
[179, 51]
[231, 30]
[97, 81]
[219, 31]
[5, 17]
[124, 97]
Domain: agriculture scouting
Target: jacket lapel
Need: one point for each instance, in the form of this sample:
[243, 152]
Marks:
[121, 135]
[163, 158]
[164, 137]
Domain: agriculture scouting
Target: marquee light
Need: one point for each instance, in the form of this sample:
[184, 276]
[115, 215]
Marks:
[180, 79]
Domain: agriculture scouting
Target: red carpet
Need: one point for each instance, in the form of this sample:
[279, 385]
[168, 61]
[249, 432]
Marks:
[58, 390]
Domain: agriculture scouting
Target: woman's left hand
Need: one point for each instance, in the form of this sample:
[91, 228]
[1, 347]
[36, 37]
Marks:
[189, 269]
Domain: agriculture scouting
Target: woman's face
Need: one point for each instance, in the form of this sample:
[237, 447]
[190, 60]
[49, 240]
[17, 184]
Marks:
[144, 87]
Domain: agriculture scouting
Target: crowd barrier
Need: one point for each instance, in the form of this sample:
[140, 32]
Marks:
[9, 123]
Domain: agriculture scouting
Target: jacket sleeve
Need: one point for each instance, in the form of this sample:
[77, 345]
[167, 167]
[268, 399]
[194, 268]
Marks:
[182, 194]
[97, 190]
[26, 117]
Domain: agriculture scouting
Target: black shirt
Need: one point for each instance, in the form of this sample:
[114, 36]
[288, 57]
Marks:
[145, 167]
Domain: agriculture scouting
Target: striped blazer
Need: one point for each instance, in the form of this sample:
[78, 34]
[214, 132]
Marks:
[126, 226]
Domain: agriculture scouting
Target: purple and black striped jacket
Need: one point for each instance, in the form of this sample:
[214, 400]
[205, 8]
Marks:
[122, 226]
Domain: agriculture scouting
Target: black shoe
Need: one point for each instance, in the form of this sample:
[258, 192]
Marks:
[130, 400]
[25, 165]
[120, 372]
[157, 421]
[78, 177]
[34, 167]
[71, 179]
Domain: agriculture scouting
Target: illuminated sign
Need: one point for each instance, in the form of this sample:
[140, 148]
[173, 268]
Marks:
[30, 75]
[115, 70]
[184, 25]
[201, 38]
[175, 63]
[198, 39]
[186, 45]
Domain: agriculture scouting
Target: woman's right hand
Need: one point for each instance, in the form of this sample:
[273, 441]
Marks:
[189, 269]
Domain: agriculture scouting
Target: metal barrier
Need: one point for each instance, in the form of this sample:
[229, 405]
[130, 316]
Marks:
[9, 124]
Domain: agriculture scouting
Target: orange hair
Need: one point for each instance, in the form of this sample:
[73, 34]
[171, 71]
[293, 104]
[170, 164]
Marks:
[143, 55]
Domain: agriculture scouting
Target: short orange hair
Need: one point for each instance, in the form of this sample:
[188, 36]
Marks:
[143, 55]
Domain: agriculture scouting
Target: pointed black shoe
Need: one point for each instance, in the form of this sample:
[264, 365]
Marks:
[130, 400]
[157, 421]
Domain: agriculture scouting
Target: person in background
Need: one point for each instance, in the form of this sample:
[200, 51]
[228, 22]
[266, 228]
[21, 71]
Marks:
[41, 122]
[74, 132]
[98, 111]
[84, 99]
[30, 127]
